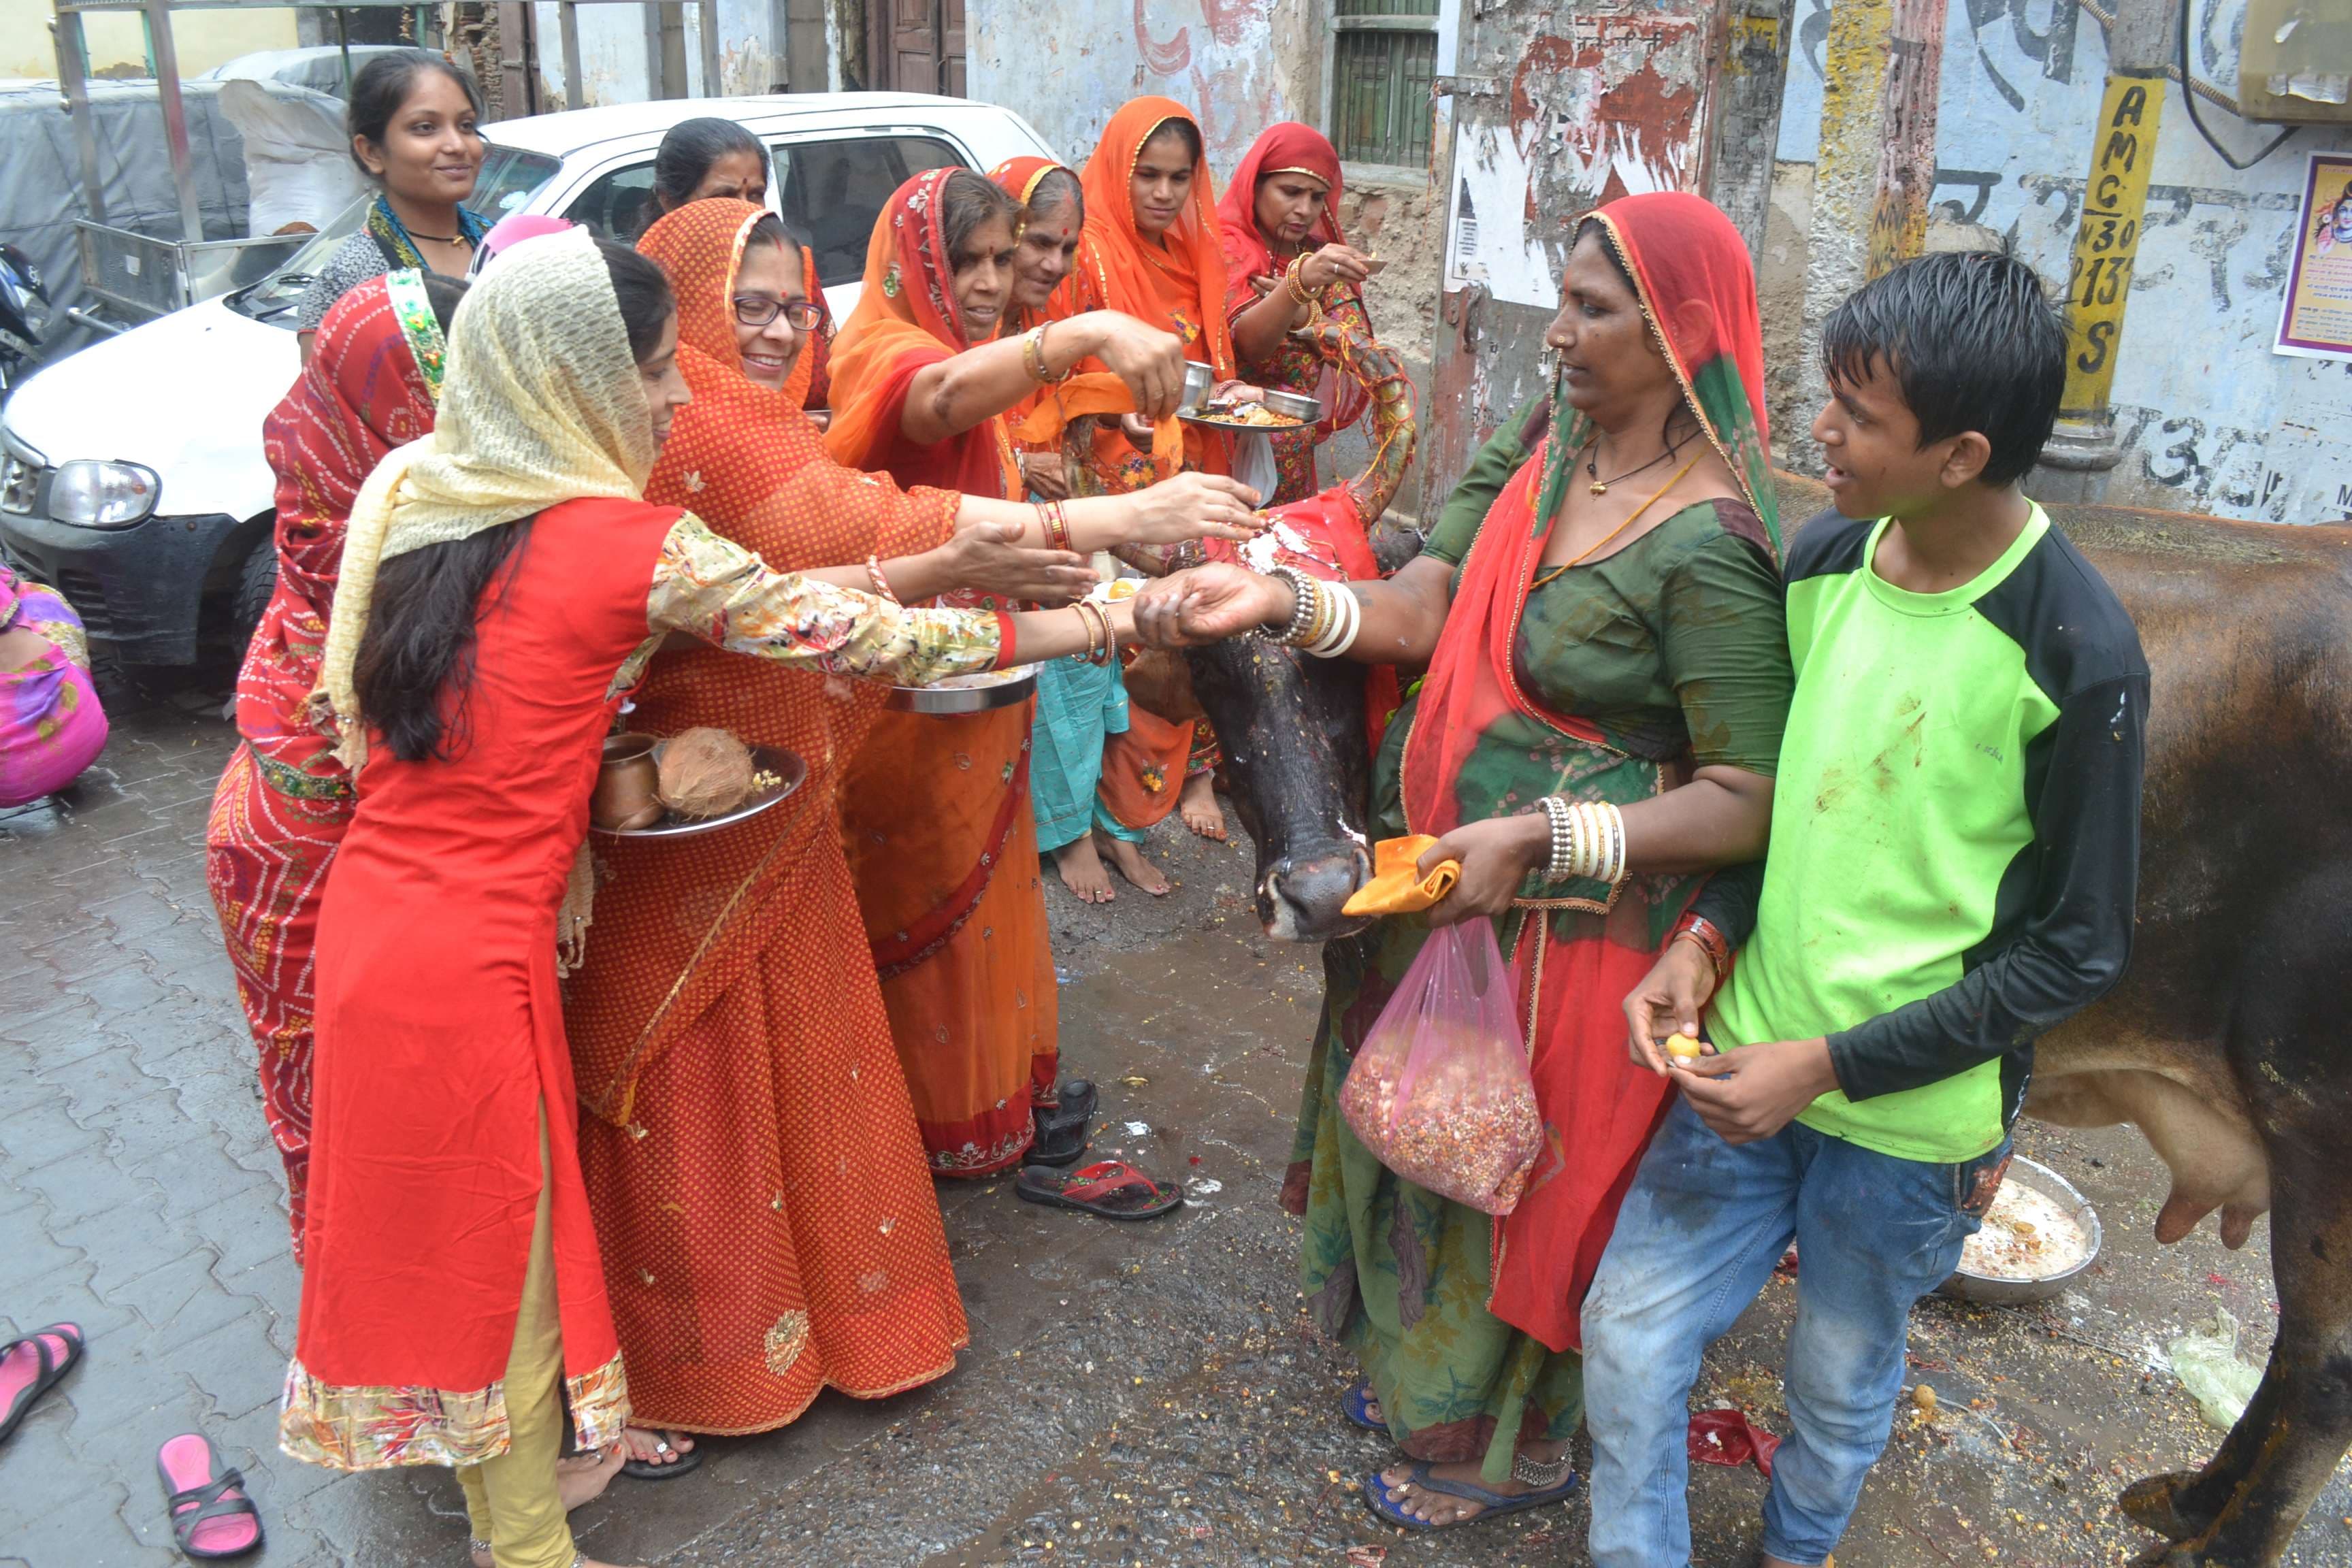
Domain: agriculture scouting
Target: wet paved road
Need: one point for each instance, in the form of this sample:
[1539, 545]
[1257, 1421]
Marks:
[1134, 1396]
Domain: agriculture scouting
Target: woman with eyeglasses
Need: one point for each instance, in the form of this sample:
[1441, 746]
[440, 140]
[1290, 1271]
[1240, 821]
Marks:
[750, 1155]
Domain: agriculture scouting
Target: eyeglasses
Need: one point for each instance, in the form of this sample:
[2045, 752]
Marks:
[758, 310]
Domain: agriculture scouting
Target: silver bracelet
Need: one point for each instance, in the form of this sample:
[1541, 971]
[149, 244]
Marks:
[1556, 813]
[1306, 602]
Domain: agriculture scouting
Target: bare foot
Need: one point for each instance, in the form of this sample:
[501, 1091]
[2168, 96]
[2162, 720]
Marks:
[1129, 861]
[584, 1477]
[651, 1447]
[1198, 805]
[1442, 1509]
[1082, 870]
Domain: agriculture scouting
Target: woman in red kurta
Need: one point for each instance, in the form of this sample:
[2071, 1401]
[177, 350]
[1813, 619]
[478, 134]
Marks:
[502, 587]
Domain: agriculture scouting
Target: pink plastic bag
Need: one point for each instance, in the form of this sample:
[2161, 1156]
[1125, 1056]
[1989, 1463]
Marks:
[1440, 1092]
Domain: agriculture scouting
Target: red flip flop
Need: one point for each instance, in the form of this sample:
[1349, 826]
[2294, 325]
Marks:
[1110, 1188]
[211, 1515]
[31, 1366]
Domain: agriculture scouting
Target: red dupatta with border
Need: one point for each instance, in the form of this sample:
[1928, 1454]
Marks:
[1481, 747]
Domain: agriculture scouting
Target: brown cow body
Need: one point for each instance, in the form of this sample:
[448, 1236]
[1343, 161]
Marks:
[2222, 1043]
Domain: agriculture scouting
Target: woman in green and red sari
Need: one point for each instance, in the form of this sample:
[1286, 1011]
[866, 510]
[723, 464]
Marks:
[1608, 633]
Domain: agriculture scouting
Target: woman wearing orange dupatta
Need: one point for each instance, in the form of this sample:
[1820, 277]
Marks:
[1607, 634]
[936, 810]
[750, 1156]
[1153, 249]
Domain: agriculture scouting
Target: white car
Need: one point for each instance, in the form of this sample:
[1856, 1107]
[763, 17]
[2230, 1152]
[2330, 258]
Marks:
[131, 477]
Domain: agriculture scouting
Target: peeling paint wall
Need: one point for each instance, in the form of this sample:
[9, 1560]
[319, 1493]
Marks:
[2209, 418]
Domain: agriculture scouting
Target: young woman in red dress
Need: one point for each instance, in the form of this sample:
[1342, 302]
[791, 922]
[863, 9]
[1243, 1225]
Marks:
[503, 586]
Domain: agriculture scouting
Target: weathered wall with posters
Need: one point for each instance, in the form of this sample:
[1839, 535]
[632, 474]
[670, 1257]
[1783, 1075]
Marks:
[2208, 417]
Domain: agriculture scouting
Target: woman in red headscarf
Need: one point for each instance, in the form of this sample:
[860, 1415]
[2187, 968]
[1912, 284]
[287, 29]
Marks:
[1285, 264]
[1600, 610]
[936, 809]
[284, 800]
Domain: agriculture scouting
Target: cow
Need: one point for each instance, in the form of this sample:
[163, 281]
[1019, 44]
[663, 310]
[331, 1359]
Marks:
[2223, 1041]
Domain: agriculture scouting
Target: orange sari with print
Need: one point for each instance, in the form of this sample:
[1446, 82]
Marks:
[1176, 283]
[935, 811]
[752, 1158]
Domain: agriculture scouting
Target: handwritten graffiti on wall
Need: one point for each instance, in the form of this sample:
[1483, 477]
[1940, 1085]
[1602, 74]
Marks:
[1231, 86]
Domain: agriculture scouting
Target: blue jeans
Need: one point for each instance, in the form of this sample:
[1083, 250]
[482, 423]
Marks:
[1701, 1230]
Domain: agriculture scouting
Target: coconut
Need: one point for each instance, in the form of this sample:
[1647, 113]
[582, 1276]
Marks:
[704, 773]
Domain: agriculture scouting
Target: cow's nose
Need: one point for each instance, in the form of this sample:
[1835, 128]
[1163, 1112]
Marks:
[1303, 896]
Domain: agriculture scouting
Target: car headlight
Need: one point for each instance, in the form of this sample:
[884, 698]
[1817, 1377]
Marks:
[103, 495]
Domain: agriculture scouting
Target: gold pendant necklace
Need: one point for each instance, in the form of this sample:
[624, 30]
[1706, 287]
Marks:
[1587, 554]
[1599, 486]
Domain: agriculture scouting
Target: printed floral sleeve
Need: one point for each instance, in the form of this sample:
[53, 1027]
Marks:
[711, 588]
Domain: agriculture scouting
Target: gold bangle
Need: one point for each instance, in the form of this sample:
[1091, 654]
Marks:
[1297, 284]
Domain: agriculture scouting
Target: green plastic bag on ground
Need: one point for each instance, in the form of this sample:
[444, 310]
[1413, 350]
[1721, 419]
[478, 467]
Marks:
[2208, 1365]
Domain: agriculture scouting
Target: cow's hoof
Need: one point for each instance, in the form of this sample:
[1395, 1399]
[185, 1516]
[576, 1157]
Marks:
[2154, 1503]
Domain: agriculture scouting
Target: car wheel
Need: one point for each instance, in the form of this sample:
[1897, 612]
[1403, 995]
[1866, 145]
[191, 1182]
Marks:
[254, 584]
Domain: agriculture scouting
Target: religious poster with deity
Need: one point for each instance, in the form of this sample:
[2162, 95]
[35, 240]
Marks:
[2316, 322]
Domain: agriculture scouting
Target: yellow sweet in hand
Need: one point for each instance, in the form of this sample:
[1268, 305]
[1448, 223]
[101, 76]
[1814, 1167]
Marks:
[1682, 1048]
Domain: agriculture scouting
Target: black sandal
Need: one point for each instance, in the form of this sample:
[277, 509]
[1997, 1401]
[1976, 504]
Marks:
[205, 1498]
[47, 1368]
[1111, 1189]
[681, 1460]
[1063, 1128]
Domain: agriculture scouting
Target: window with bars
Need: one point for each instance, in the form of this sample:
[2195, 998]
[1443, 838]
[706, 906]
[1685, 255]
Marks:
[1383, 56]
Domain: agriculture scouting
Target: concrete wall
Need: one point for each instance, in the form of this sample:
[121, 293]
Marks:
[616, 51]
[118, 44]
[2208, 417]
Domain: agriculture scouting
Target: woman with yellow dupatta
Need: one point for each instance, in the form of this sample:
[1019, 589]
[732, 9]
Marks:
[936, 812]
[1153, 249]
[1608, 680]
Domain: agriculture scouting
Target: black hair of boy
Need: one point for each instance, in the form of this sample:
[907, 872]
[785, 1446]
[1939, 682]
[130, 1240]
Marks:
[1973, 341]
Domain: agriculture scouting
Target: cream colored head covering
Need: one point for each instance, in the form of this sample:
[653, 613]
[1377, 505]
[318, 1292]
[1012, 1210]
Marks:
[541, 402]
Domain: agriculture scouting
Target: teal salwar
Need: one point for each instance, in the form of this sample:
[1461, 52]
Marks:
[1078, 705]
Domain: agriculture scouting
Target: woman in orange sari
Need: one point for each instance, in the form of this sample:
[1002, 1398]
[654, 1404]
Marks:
[937, 819]
[751, 1157]
[1153, 249]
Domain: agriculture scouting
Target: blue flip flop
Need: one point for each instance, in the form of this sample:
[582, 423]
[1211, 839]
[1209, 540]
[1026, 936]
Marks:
[1356, 1404]
[1494, 1505]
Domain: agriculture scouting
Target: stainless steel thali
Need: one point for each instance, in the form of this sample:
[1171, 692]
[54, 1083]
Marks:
[968, 693]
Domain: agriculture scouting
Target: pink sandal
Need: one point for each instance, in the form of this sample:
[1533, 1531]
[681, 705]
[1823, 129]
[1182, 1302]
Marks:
[31, 1366]
[211, 1515]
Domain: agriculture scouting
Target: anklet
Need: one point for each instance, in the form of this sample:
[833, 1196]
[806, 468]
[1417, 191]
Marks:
[1541, 1478]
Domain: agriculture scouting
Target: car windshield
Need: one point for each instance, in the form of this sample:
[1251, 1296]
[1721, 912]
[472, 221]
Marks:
[511, 177]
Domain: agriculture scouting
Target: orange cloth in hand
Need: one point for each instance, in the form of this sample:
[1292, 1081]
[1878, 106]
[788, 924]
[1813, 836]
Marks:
[1397, 887]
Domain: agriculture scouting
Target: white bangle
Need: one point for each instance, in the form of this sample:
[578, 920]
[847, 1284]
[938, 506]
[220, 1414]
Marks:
[1347, 620]
[1588, 840]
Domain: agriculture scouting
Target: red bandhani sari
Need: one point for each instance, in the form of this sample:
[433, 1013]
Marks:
[284, 801]
[1481, 746]
[935, 809]
[1290, 148]
[1176, 283]
[750, 1156]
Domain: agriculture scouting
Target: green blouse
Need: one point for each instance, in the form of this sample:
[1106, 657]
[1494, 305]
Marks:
[1676, 642]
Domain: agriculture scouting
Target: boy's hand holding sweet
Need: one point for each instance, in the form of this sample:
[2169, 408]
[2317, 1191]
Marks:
[1753, 1092]
[1669, 1001]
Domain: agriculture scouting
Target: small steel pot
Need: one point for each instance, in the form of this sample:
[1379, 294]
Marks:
[1198, 379]
[625, 798]
[1295, 404]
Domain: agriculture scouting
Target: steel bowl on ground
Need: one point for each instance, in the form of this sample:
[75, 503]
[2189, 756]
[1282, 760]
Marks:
[1993, 1292]
[791, 774]
[966, 694]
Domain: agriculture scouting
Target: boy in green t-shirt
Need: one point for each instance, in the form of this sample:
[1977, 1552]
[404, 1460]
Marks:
[1954, 853]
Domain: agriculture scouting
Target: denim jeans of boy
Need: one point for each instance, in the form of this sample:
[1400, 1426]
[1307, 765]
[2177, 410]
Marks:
[1699, 1234]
